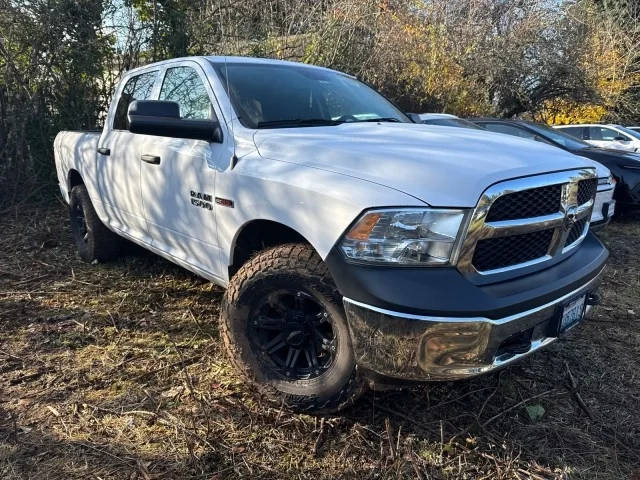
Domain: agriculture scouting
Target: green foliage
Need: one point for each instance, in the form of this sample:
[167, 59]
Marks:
[535, 412]
[168, 24]
[51, 56]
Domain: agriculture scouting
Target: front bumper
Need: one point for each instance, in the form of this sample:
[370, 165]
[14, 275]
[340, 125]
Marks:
[435, 324]
[414, 347]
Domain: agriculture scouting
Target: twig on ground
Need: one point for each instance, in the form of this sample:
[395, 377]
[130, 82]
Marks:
[387, 426]
[574, 390]
[507, 410]
[316, 445]
[186, 362]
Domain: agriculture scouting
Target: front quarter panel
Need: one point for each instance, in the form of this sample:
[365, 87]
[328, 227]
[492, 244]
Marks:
[316, 203]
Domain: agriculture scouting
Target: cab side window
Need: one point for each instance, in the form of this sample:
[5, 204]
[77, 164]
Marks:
[136, 88]
[184, 86]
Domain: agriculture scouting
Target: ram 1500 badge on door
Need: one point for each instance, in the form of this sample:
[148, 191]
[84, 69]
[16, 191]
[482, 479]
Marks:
[355, 245]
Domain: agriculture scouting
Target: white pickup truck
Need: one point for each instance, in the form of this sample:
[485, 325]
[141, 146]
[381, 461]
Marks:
[357, 248]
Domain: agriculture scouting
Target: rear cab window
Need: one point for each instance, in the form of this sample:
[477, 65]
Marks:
[138, 87]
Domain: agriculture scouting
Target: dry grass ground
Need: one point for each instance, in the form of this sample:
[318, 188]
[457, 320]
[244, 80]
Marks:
[115, 371]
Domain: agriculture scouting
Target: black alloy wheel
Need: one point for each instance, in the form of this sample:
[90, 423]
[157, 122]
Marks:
[293, 332]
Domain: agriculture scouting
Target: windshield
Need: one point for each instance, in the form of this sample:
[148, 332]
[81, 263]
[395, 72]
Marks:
[280, 96]
[452, 122]
[633, 133]
[558, 136]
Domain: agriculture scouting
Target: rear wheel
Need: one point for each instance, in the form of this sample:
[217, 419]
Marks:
[285, 330]
[94, 241]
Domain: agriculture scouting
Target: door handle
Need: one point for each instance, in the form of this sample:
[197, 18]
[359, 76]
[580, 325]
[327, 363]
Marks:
[104, 151]
[152, 159]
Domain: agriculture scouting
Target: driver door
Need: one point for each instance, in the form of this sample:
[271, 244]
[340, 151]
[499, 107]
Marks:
[178, 175]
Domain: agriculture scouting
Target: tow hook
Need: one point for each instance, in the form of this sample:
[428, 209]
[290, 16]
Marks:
[593, 299]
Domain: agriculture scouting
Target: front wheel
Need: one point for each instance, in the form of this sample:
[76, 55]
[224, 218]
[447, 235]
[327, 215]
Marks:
[285, 330]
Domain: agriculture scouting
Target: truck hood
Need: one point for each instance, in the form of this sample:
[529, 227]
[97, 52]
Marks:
[442, 166]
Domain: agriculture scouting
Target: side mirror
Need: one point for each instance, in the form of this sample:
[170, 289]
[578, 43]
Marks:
[160, 118]
[414, 117]
[621, 139]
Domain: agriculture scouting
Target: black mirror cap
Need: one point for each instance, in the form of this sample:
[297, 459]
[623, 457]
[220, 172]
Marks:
[414, 117]
[621, 139]
[160, 118]
[154, 108]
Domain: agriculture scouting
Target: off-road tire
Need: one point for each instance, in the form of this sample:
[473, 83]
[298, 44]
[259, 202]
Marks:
[94, 241]
[295, 266]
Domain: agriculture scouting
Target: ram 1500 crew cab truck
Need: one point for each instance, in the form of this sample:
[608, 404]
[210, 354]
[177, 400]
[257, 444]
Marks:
[356, 247]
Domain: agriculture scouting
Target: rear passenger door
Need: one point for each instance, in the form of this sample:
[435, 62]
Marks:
[178, 186]
[118, 164]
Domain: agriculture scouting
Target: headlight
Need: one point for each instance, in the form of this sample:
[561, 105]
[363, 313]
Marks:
[610, 180]
[407, 236]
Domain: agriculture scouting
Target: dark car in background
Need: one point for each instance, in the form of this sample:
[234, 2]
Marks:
[445, 120]
[624, 166]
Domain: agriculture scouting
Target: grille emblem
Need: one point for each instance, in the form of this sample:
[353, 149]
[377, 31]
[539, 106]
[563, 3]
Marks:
[570, 218]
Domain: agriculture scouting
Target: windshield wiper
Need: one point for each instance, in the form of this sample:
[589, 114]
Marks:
[381, 119]
[299, 122]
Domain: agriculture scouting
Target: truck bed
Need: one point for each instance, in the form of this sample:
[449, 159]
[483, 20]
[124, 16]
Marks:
[74, 150]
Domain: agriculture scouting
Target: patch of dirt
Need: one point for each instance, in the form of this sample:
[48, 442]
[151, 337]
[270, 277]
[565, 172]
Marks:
[115, 371]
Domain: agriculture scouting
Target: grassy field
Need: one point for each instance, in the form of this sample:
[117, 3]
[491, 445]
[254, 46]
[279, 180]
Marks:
[115, 371]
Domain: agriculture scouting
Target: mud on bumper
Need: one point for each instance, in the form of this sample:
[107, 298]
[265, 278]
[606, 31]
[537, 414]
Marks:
[435, 324]
[414, 347]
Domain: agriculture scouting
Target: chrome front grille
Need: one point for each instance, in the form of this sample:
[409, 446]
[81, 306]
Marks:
[587, 190]
[493, 253]
[576, 232]
[526, 203]
[524, 222]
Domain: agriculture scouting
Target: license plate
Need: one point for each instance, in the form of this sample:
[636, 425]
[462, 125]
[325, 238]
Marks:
[572, 313]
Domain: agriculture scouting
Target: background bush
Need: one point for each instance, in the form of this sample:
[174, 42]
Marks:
[555, 61]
